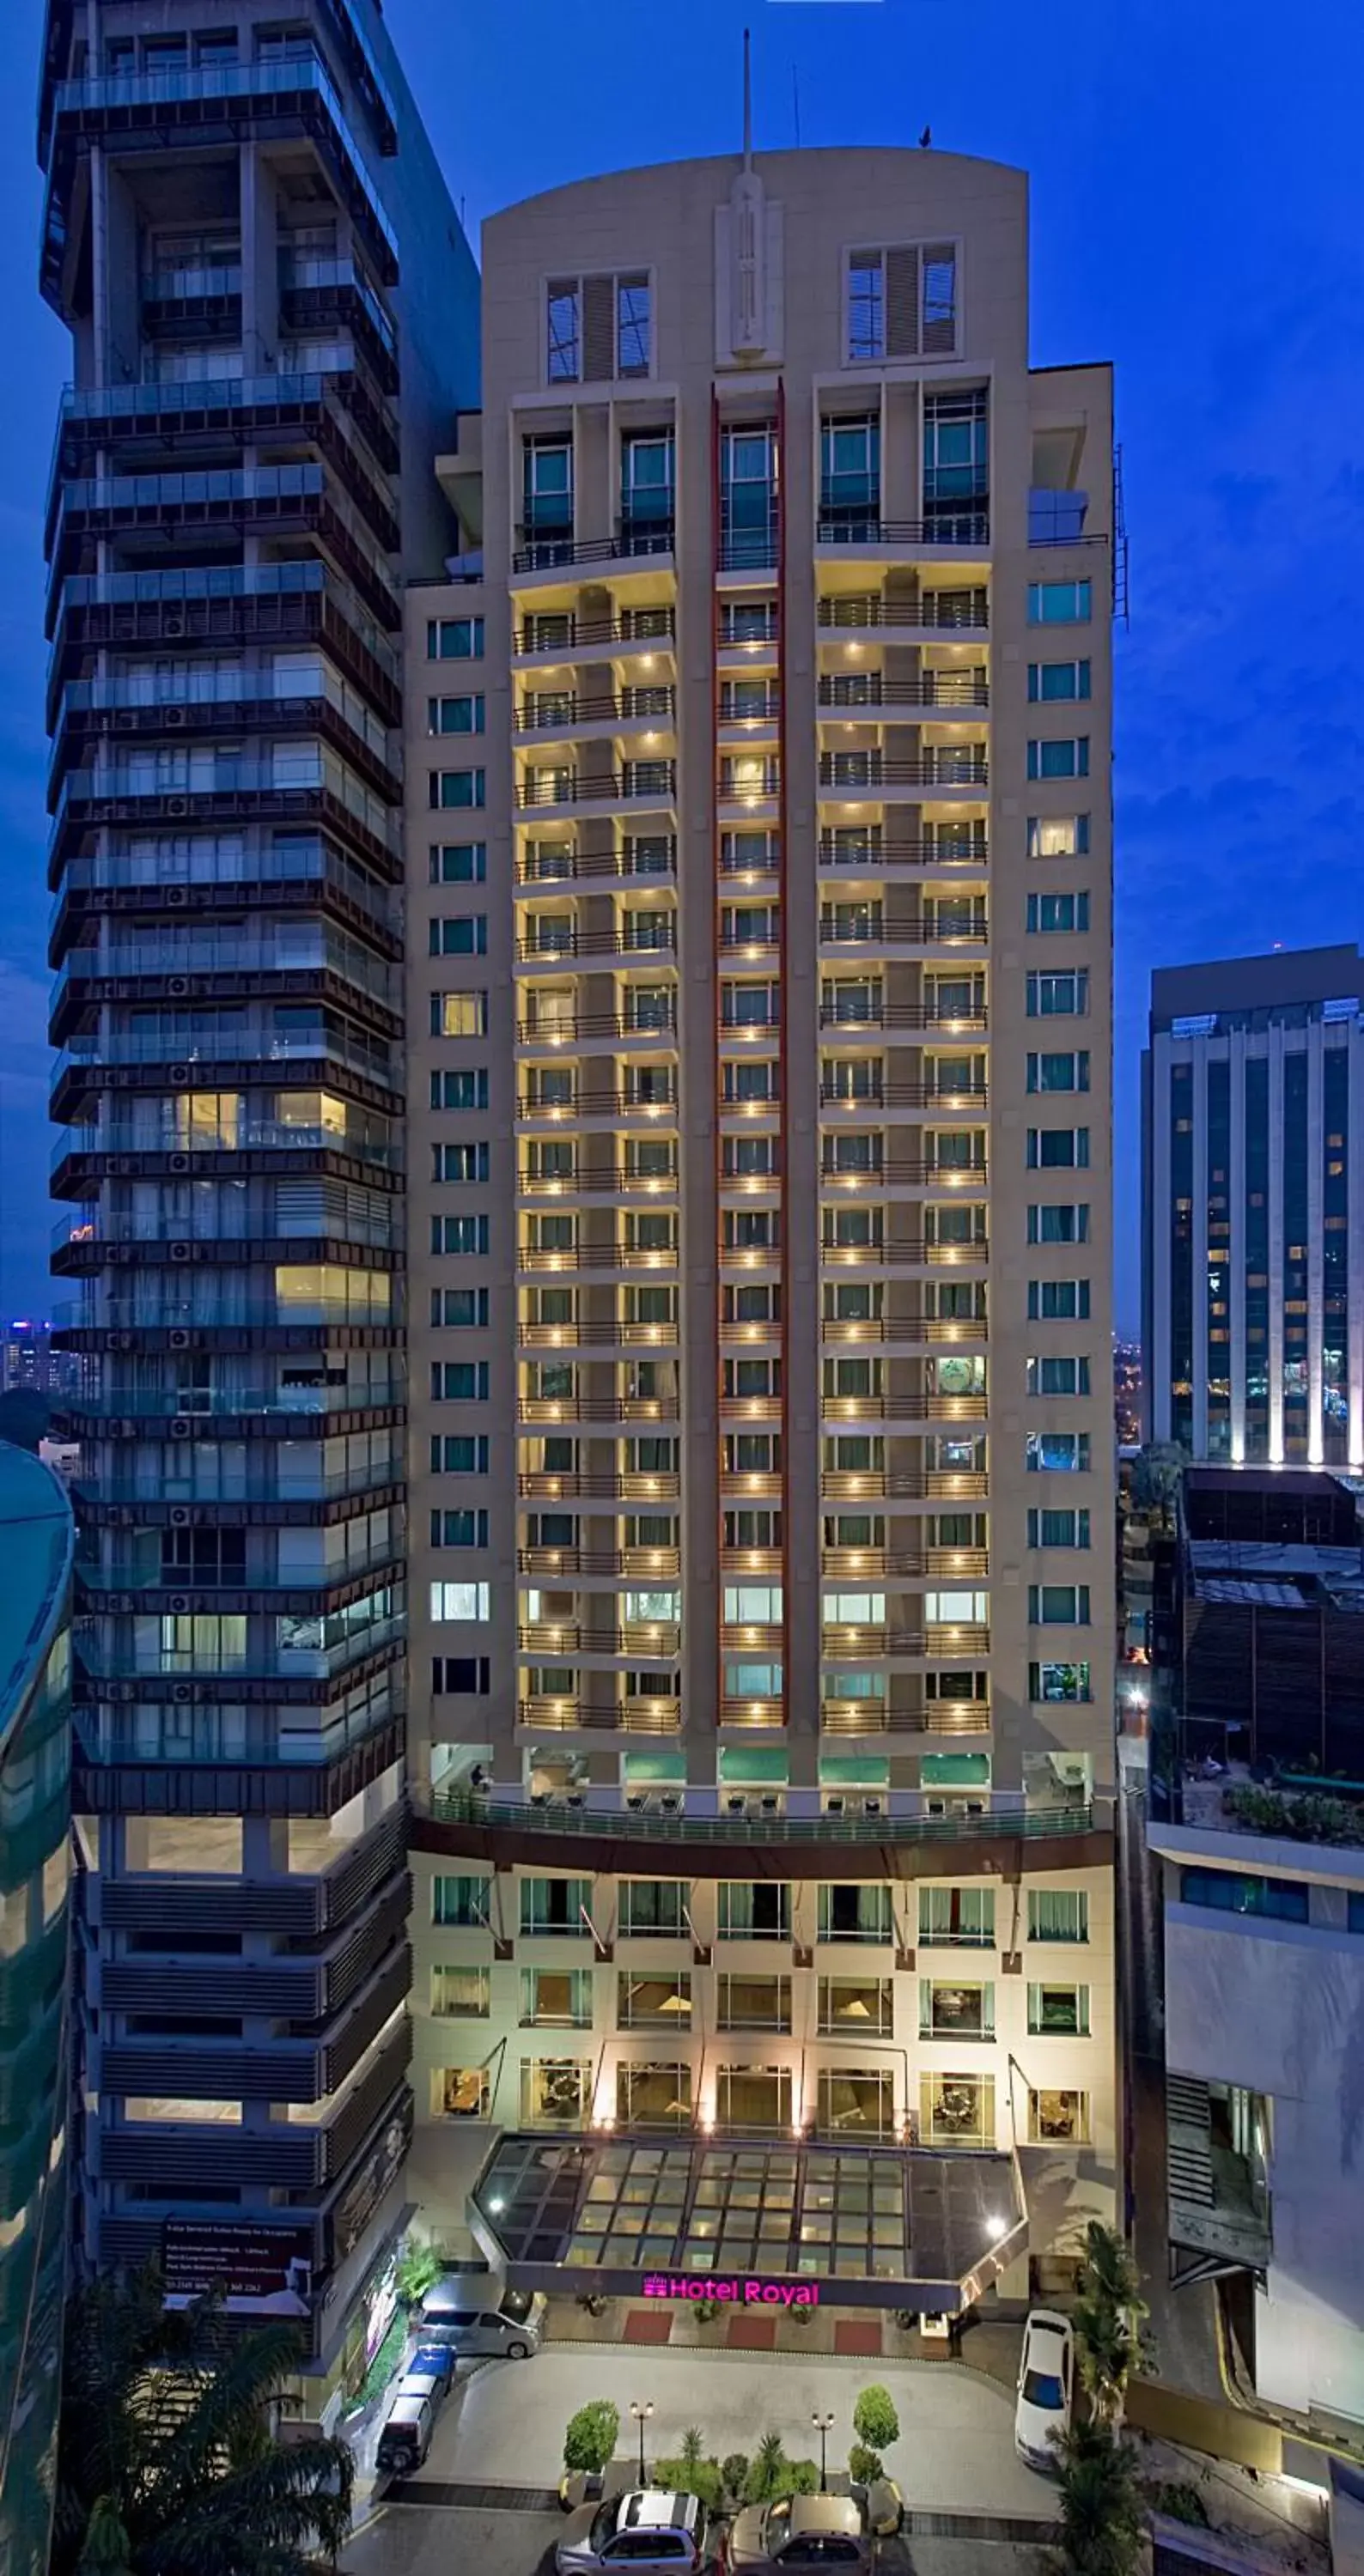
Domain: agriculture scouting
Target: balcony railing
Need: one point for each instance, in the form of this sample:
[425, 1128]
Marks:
[872, 851]
[902, 930]
[962, 528]
[613, 787]
[570, 633]
[630, 937]
[186, 586]
[857, 774]
[461, 1808]
[947, 689]
[874, 1012]
[551, 550]
[655, 856]
[662, 1029]
[906, 1095]
[557, 713]
[949, 611]
[575, 1716]
[903, 1408]
[544, 1485]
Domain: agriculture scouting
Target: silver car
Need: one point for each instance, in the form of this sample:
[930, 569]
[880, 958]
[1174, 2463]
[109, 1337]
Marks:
[799, 2533]
[651, 2530]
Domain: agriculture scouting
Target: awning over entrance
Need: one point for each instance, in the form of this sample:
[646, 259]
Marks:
[855, 2226]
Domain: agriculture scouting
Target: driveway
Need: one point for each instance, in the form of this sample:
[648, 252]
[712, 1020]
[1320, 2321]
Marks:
[505, 2425]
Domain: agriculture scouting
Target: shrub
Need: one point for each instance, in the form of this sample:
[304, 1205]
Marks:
[697, 2477]
[765, 2471]
[1313, 1817]
[734, 2471]
[875, 2420]
[590, 2436]
[1179, 2500]
[706, 2311]
[417, 2269]
[864, 2466]
[801, 2478]
[693, 2446]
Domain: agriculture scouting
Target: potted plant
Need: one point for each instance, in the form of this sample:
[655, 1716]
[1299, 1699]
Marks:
[589, 2446]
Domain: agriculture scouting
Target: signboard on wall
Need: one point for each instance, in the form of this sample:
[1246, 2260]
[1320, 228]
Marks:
[262, 2271]
[361, 2198]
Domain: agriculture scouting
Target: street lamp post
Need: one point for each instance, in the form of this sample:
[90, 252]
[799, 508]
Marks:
[824, 2425]
[642, 2409]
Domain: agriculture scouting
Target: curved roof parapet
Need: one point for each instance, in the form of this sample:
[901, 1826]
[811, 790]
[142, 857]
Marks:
[37, 1539]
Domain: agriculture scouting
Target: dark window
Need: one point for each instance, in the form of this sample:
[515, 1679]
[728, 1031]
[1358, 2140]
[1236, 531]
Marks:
[1233, 1892]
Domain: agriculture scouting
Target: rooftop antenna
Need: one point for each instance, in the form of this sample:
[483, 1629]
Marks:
[748, 102]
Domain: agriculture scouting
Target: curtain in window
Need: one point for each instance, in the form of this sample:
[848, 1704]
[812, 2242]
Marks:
[1056, 1914]
[736, 1906]
[957, 1914]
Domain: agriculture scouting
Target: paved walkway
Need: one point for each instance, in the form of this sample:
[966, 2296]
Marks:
[955, 2452]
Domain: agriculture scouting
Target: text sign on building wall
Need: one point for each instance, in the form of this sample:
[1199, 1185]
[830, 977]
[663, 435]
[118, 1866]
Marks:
[739, 2290]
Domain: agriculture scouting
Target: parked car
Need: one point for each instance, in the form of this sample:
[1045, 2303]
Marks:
[406, 2436]
[1046, 2376]
[658, 2531]
[798, 2532]
[439, 2359]
[430, 2384]
[509, 2331]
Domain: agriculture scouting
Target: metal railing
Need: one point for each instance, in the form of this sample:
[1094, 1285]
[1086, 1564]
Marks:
[857, 773]
[547, 553]
[951, 689]
[615, 787]
[462, 1807]
[642, 626]
[945, 613]
[969, 528]
[554, 710]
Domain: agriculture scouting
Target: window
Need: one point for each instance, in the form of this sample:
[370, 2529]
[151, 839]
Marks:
[753, 2003]
[754, 1910]
[555, 1905]
[460, 1090]
[1058, 2012]
[1282, 1900]
[1058, 836]
[1058, 1224]
[563, 353]
[1060, 2119]
[459, 1454]
[650, 1906]
[459, 1309]
[957, 2110]
[1052, 682]
[463, 1164]
[1064, 996]
[454, 715]
[459, 863]
[461, 2092]
[658, 2000]
[459, 1529]
[448, 788]
[860, 1911]
[1058, 1914]
[1058, 1685]
[1058, 1376]
[459, 1015]
[957, 1918]
[556, 1998]
[461, 1237]
[454, 639]
[1058, 1529]
[597, 328]
[634, 326]
[1049, 913]
[1058, 1301]
[1058, 1149]
[460, 1994]
[461, 1676]
[1060, 603]
[1066, 1071]
[461, 1903]
[1061, 1453]
[459, 1381]
[461, 1601]
[463, 934]
[1058, 1605]
[556, 2092]
[1065, 759]
[955, 2011]
[902, 302]
[859, 2007]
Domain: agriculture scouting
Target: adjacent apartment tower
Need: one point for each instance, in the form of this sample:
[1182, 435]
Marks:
[1253, 1210]
[758, 847]
[273, 315]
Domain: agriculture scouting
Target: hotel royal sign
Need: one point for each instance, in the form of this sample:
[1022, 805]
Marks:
[739, 2290]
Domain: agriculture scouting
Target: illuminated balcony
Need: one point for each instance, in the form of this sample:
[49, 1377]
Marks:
[545, 1411]
[872, 850]
[740, 1714]
[872, 776]
[641, 637]
[854, 1006]
[653, 1640]
[906, 1172]
[850, 618]
[551, 563]
[556, 1485]
[651, 1564]
[854, 696]
[568, 1025]
[566, 795]
[891, 932]
[878, 1332]
[556, 941]
[594, 1335]
[853, 1409]
[958, 537]
[559, 861]
[614, 1180]
[877, 1484]
[581, 1716]
[642, 716]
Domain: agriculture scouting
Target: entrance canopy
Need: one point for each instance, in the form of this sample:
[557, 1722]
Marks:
[854, 2226]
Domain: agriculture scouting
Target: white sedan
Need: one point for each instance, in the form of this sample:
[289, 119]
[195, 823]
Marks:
[1046, 2378]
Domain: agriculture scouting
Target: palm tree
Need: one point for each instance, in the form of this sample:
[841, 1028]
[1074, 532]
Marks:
[1111, 2272]
[1101, 2512]
[1109, 2321]
[168, 2464]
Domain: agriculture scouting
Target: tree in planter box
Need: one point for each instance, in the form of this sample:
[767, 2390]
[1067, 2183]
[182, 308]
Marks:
[590, 2437]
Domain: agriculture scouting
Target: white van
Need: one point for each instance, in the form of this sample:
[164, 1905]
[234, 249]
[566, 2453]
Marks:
[511, 2331]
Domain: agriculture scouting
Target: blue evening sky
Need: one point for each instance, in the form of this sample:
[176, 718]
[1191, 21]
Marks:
[1196, 217]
